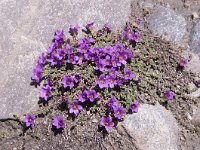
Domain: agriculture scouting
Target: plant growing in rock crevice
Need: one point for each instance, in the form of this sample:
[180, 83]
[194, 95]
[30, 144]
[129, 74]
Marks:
[102, 73]
[89, 71]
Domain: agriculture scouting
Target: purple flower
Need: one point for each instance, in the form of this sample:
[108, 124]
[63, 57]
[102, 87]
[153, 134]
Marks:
[54, 60]
[115, 62]
[139, 79]
[107, 60]
[83, 48]
[74, 29]
[113, 72]
[37, 74]
[72, 59]
[59, 35]
[107, 123]
[65, 99]
[49, 82]
[100, 32]
[136, 37]
[100, 65]
[119, 37]
[100, 52]
[89, 56]
[111, 81]
[122, 57]
[89, 26]
[128, 33]
[74, 108]
[128, 75]
[120, 81]
[102, 81]
[183, 62]
[129, 53]
[119, 47]
[45, 92]
[69, 50]
[107, 27]
[169, 95]
[58, 122]
[51, 48]
[140, 20]
[77, 78]
[86, 41]
[198, 83]
[92, 95]
[67, 82]
[89, 40]
[83, 96]
[112, 103]
[42, 59]
[134, 107]
[108, 49]
[80, 58]
[118, 112]
[60, 54]
[29, 120]
[92, 50]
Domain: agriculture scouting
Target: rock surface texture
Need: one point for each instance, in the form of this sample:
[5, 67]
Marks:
[195, 39]
[193, 65]
[153, 128]
[196, 116]
[27, 27]
[167, 23]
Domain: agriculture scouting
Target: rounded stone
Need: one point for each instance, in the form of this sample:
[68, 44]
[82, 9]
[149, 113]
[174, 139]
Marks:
[153, 128]
[167, 23]
[195, 39]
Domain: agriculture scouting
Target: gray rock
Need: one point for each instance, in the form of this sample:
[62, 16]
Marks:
[27, 28]
[195, 39]
[195, 94]
[146, 4]
[191, 87]
[167, 23]
[193, 65]
[153, 128]
[196, 115]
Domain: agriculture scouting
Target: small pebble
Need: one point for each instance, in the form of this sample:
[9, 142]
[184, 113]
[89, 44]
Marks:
[195, 16]
[95, 120]
[189, 116]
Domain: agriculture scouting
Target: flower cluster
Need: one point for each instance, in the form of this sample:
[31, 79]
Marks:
[130, 35]
[113, 106]
[46, 91]
[37, 72]
[118, 112]
[62, 65]
[111, 80]
[90, 95]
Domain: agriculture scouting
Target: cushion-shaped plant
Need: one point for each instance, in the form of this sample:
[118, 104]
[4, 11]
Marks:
[105, 72]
